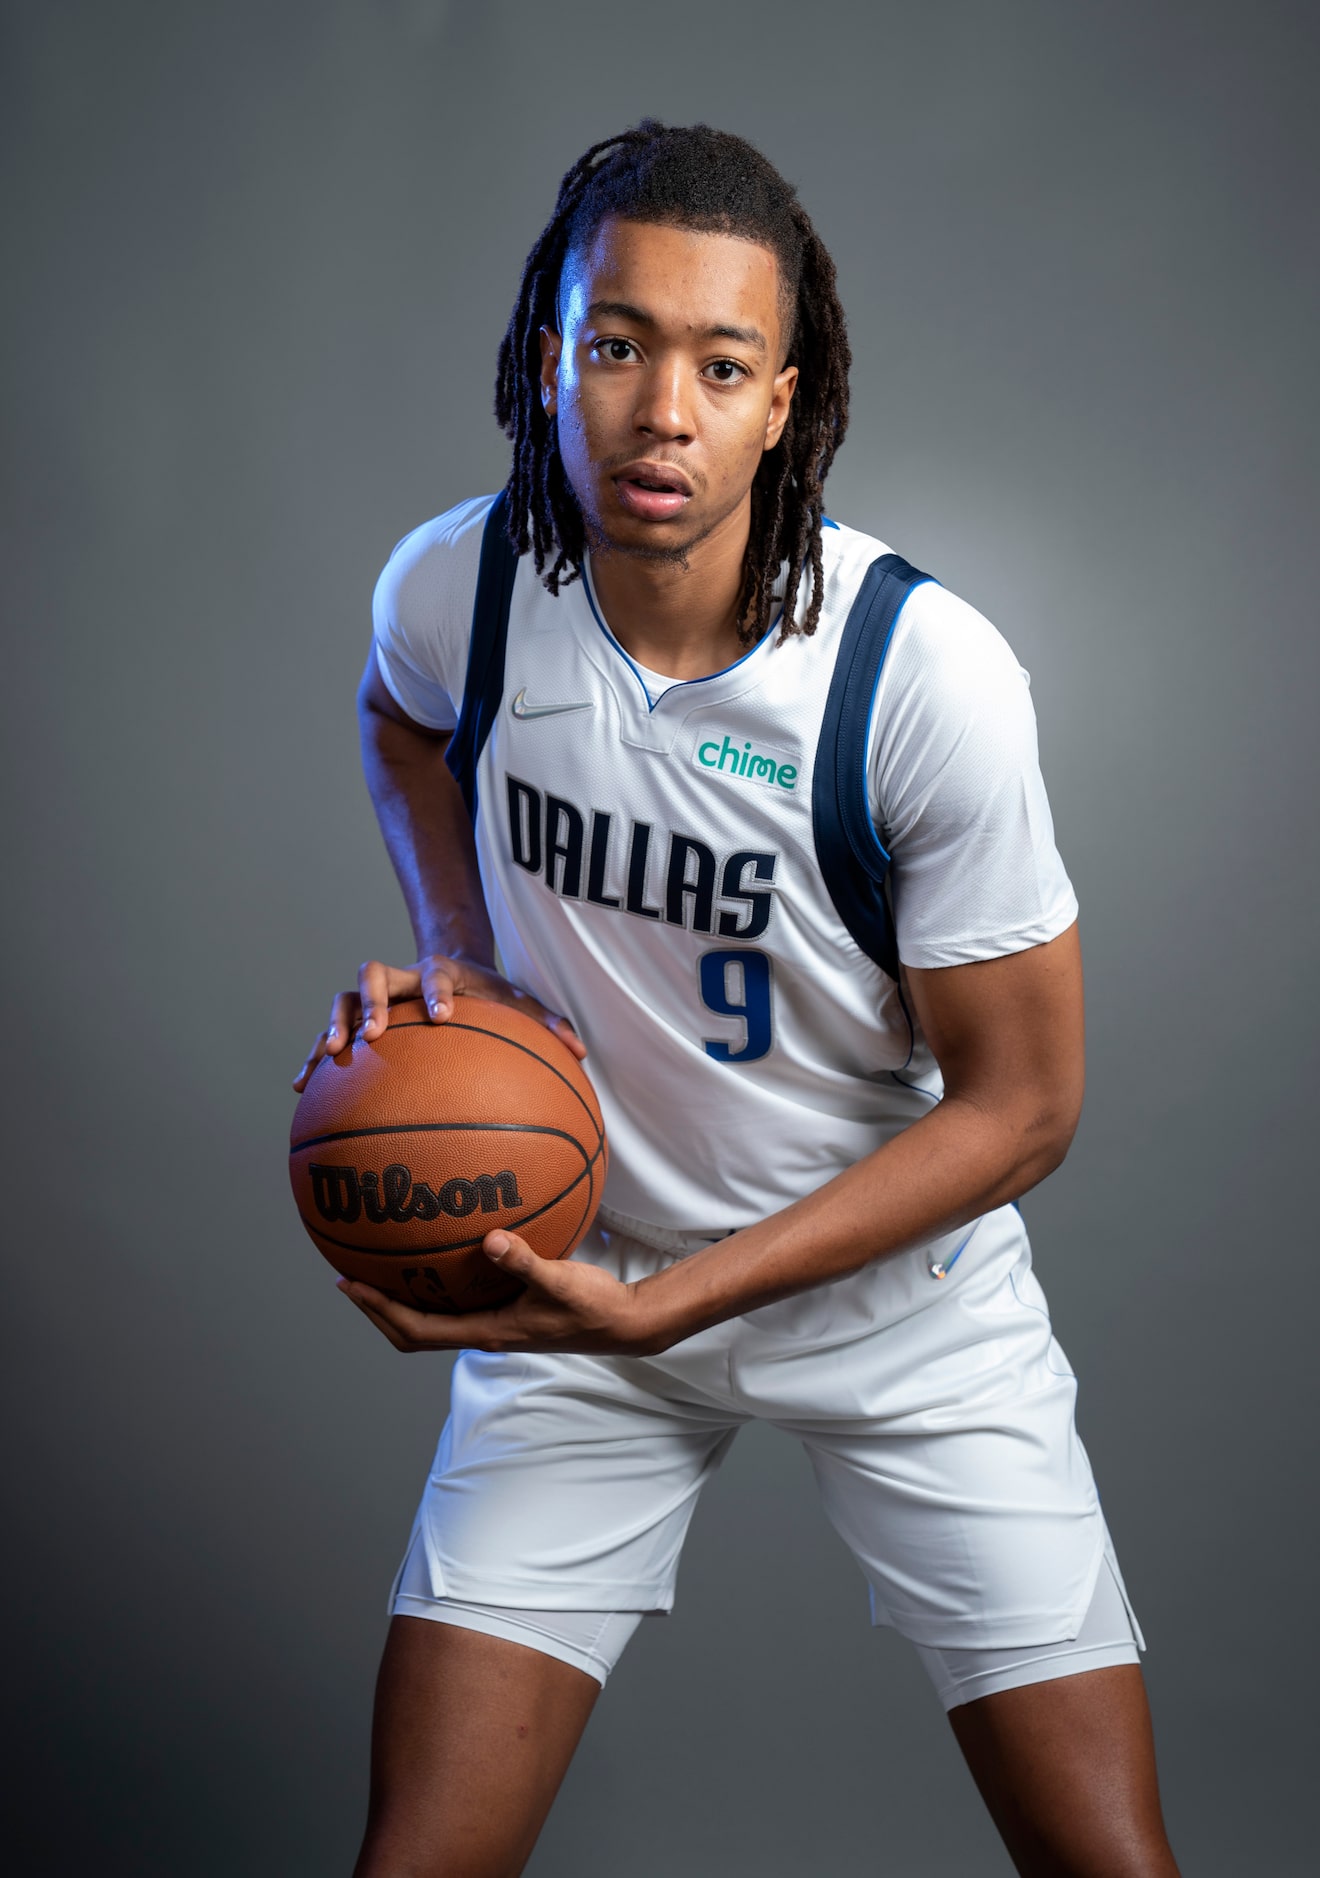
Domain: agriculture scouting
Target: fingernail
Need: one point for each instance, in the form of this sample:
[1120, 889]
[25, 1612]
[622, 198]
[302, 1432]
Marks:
[498, 1250]
[332, 1033]
[437, 1009]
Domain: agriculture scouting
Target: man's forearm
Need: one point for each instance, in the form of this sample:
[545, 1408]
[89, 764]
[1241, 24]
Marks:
[948, 1168]
[428, 835]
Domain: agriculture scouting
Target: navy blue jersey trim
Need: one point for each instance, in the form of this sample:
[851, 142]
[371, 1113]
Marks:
[853, 861]
[483, 687]
[706, 679]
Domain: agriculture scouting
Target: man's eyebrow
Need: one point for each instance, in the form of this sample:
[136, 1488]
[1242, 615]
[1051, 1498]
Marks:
[624, 310]
[618, 310]
[741, 335]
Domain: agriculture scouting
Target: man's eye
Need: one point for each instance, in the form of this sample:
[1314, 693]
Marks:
[617, 351]
[726, 371]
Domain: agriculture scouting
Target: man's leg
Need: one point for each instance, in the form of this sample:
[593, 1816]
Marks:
[574, 1472]
[471, 1737]
[1067, 1769]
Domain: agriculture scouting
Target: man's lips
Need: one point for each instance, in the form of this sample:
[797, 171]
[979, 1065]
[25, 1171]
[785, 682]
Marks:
[652, 491]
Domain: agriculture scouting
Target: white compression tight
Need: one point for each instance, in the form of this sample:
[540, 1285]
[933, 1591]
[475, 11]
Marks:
[594, 1641]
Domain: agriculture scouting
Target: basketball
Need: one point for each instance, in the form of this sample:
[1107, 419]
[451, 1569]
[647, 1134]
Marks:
[406, 1151]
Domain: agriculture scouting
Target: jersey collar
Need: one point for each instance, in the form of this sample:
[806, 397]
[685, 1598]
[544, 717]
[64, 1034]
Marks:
[680, 694]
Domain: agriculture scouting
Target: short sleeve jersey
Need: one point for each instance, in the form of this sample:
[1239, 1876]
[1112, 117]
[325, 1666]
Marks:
[648, 862]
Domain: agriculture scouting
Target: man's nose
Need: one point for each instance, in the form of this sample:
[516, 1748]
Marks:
[664, 408]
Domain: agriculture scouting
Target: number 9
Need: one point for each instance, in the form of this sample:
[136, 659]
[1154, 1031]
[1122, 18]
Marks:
[753, 968]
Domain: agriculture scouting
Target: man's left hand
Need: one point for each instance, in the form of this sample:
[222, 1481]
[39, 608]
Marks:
[566, 1306]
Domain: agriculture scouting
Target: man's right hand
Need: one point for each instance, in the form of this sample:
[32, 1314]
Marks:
[438, 981]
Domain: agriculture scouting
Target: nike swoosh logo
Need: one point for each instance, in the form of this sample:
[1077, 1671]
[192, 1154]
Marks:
[521, 708]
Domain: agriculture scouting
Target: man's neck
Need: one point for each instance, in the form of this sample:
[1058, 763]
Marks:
[677, 617]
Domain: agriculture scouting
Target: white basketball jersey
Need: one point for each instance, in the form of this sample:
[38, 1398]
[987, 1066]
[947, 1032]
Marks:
[651, 855]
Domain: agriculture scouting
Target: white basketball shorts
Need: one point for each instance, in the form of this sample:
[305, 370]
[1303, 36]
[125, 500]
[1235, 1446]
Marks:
[937, 1414]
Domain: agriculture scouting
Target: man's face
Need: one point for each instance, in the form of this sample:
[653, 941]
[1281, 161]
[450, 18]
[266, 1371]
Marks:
[666, 381]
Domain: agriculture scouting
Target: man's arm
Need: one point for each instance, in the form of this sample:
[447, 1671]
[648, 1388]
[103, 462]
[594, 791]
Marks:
[425, 823]
[428, 835]
[1008, 1036]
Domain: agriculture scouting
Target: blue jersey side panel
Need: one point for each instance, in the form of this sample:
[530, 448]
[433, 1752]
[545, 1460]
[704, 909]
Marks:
[483, 687]
[853, 861]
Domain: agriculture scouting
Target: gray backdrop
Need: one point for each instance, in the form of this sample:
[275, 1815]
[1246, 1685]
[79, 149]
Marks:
[259, 260]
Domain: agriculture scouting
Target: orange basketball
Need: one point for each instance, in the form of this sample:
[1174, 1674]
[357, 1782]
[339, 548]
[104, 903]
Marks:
[405, 1152]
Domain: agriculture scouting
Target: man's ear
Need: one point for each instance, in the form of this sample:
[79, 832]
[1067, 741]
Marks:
[785, 382]
[551, 347]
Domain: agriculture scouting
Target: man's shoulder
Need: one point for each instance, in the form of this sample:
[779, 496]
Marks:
[937, 631]
[455, 534]
[433, 568]
[847, 552]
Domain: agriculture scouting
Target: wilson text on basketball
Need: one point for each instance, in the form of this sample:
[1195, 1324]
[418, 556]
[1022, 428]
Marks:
[344, 1194]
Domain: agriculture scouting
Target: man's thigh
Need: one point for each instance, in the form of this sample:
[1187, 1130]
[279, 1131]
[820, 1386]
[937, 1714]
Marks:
[470, 1739]
[939, 1419]
[1067, 1770]
[565, 1483]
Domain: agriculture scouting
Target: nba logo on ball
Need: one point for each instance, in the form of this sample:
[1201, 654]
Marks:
[405, 1152]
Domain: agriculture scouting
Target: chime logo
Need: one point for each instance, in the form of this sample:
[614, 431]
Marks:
[746, 764]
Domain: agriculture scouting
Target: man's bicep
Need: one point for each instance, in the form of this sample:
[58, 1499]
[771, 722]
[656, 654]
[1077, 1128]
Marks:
[1009, 1030]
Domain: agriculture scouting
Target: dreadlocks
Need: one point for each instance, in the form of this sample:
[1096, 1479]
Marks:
[712, 183]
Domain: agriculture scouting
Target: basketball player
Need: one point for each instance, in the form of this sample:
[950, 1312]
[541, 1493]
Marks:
[655, 810]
